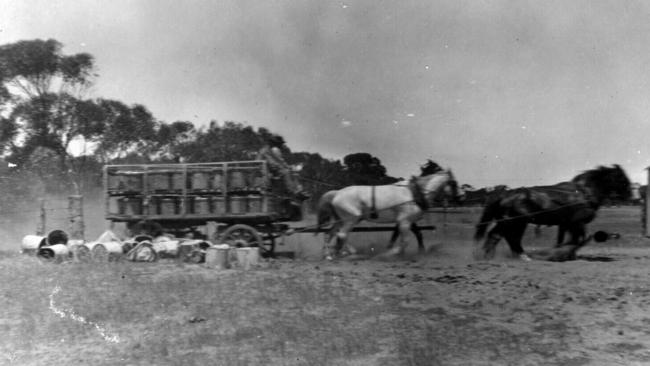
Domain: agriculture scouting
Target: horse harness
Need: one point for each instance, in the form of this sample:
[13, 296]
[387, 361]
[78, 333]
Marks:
[579, 192]
[418, 195]
[373, 207]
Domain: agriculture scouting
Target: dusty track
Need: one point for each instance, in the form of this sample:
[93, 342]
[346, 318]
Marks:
[440, 309]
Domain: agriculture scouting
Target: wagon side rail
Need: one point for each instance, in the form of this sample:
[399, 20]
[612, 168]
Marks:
[193, 191]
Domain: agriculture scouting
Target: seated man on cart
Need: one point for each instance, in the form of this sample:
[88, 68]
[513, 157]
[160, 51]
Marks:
[272, 154]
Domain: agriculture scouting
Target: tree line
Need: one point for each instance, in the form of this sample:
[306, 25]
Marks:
[55, 139]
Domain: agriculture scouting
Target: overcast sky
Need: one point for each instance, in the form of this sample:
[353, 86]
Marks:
[503, 92]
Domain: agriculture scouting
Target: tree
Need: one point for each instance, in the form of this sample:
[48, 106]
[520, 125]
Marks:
[317, 174]
[36, 68]
[365, 169]
[125, 130]
[171, 137]
[40, 90]
[231, 141]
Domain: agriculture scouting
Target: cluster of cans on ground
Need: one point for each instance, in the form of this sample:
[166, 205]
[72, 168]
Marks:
[57, 247]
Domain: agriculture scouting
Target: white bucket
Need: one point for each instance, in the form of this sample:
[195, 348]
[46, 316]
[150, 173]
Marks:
[254, 256]
[217, 257]
[31, 243]
[167, 248]
[242, 258]
[143, 252]
[247, 257]
[82, 253]
[74, 246]
[106, 252]
[193, 251]
[56, 252]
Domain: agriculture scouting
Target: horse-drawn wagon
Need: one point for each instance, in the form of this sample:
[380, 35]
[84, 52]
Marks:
[240, 202]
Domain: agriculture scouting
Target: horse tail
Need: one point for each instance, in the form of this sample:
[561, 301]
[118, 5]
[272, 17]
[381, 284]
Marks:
[326, 211]
[491, 211]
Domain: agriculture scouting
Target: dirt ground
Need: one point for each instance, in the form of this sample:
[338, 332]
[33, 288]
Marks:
[443, 308]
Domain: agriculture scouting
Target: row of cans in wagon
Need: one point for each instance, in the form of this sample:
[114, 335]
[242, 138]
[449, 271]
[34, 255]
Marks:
[199, 180]
[191, 205]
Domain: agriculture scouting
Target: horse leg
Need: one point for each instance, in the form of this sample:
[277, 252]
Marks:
[514, 234]
[342, 238]
[493, 238]
[332, 232]
[328, 239]
[404, 228]
[578, 233]
[393, 237]
[561, 230]
[418, 235]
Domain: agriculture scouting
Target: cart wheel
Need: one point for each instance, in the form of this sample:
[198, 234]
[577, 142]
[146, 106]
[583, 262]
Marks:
[241, 235]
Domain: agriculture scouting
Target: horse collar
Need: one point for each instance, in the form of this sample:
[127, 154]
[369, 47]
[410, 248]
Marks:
[588, 195]
[418, 195]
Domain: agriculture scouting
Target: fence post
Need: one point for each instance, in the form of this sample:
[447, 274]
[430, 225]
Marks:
[40, 228]
[646, 202]
[444, 216]
[76, 216]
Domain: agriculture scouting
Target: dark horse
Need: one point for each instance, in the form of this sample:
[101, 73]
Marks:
[568, 205]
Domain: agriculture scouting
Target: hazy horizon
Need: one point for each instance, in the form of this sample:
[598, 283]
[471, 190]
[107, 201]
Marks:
[516, 93]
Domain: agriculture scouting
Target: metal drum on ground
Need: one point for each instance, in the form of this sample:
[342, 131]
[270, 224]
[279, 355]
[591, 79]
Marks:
[218, 257]
[57, 252]
[31, 243]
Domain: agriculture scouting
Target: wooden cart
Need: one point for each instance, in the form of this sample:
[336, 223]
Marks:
[242, 197]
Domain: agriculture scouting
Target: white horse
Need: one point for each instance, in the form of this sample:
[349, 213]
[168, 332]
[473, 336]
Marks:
[328, 214]
[399, 203]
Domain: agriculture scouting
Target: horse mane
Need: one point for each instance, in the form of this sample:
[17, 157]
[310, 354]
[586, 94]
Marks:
[606, 179]
[430, 167]
[591, 174]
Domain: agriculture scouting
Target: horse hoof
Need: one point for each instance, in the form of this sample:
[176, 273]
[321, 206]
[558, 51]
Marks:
[394, 252]
[345, 253]
[524, 257]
